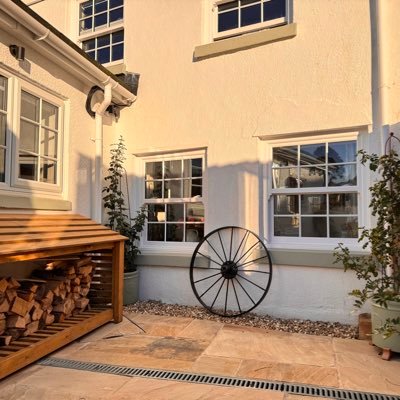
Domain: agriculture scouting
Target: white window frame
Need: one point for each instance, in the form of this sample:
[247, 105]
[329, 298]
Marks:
[249, 28]
[12, 181]
[107, 29]
[152, 247]
[313, 243]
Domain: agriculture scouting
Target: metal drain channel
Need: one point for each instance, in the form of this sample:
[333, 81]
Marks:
[293, 388]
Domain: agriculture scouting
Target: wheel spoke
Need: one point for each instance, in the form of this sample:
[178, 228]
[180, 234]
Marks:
[230, 246]
[215, 251]
[251, 248]
[211, 286]
[223, 249]
[237, 300]
[248, 280]
[254, 270]
[246, 235]
[245, 291]
[226, 296]
[208, 277]
[252, 261]
[209, 258]
[219, 290]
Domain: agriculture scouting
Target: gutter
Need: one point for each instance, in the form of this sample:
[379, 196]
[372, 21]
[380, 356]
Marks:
[45, 34]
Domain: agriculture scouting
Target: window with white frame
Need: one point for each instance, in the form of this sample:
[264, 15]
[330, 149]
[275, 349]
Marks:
[173, 195]
[30, 137]
[101, 29]
[240, 16]
[314, 189]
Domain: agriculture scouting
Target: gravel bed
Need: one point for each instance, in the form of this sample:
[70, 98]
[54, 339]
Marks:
[332, 329]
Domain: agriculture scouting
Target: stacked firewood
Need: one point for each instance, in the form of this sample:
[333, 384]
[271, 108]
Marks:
[53, 293]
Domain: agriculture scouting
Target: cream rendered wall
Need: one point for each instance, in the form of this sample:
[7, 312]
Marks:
[80, 127]
[316, 81]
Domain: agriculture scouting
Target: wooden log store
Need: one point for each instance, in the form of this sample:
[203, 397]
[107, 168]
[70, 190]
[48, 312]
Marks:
[71, 289]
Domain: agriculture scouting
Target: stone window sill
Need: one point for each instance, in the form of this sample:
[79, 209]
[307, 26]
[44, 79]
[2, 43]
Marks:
[245, 41]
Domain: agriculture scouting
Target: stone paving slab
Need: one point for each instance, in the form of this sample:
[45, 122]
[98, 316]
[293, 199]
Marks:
[183, 344]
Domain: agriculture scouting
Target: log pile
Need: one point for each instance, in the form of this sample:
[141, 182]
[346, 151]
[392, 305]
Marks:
[51, 294]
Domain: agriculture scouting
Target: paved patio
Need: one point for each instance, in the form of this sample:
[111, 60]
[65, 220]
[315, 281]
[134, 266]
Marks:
[185, 344]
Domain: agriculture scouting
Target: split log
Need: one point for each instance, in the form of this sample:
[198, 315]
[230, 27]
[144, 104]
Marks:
[36, 312]
[4, 306]
[13, 283]
[15, 321]
[3, 285]
[11, 294]
[66, 307]
[20, 307]
[48, 318]
[58, 317]
[31, 328]
[3, 326]
[5, 340]
[82, 303]
[15, 333]
[25, 295]
[83, 261]
[85, 270]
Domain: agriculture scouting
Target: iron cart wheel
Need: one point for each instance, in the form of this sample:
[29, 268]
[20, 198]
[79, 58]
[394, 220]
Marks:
[230, 271]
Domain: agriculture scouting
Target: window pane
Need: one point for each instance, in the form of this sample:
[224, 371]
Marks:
[173, 189]
[175, 212]
[313, 226]
[312, 154]
[48, 171]
[343, 203]
[116, 15]
[116, 3]
[228, 6]
[228, 20]
[313, 204]
[286, 204]
[342, 152]
[118, 37]
[312, 177]
[49, 115]
[194, 232]
[342, 175]
[192, 188]
[103, 55]
[117, 52]
[3, 127]
[86, 25]
[343, 227]
[29, 106]
[284, 156]
[250, 15]
[193, 167]
[48, 143]
[155, 232]
[284, 178]
[175, 232]
[153, 190]
[86, 9]
[274, 9]
[100, 20]
[154, 170]
[194, 212]
[100, 5]
[103, 41]
[3, 93]
[173, 169]
[29, 137]
[2, 165]
[28, 167]
[89, 44]
[156, 212]
[91, 54]
[286, 226]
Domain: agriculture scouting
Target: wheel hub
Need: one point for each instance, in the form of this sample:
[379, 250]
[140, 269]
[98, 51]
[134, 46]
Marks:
[229, 269]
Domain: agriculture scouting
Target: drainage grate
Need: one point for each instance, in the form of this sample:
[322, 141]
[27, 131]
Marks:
[293, 388]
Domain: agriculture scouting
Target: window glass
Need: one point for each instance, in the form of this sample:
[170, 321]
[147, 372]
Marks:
[28, 166]
[3, 128]
[228, 20]
[49, 115]
[251, 15]
[2, 165]
[30, 106]
[327, 211]
[29, 137]
[274, 9]
[48, 171]
[3, 93]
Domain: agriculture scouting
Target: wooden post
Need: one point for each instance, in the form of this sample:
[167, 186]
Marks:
[117, 280]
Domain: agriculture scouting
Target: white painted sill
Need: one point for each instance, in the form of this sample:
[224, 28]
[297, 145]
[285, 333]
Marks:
[33, 203]
[245, 41]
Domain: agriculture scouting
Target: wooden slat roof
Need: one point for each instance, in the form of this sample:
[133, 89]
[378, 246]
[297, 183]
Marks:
[28, 233]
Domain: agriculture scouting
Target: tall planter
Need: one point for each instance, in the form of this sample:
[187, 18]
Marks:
[131, 287]
[379, 315]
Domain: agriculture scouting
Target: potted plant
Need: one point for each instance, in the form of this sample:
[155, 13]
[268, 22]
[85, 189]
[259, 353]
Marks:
[380, 270]
[120, 220]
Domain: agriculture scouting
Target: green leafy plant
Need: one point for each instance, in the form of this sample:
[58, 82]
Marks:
[118, 213]
[380, 269]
